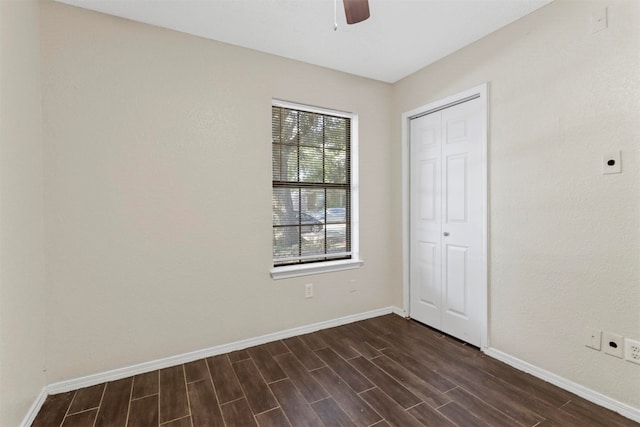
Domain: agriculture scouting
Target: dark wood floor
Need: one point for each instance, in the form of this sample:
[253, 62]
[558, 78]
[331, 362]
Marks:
[385, 371]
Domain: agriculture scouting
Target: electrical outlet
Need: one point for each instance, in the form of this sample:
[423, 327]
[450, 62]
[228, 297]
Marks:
[612, 162]
[632, 351]
[592, 338]
[612, 344]
[308, 290]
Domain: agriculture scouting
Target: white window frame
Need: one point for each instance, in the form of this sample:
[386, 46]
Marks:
[288, 271]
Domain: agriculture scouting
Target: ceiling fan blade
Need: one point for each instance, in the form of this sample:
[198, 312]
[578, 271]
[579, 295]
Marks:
[356, 10]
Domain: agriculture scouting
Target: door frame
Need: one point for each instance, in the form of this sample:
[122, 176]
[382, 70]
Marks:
[480, 92]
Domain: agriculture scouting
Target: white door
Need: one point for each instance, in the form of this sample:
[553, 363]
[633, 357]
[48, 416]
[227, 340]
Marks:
[446, 220]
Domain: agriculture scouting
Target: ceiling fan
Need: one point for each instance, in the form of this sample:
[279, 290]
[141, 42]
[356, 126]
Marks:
[356, 10]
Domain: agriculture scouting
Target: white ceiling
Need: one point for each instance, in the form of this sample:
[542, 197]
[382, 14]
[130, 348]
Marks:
[401, 37]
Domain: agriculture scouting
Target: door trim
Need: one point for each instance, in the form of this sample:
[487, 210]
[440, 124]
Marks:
[481, 92]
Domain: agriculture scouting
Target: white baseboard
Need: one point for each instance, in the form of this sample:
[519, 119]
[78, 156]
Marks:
[399, 311]
[35, 408]
[141, 368]
[116, 374]
[582, 391]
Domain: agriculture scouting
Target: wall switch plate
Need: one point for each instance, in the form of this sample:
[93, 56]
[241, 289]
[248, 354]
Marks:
[612, 344]
[632, 351]
[308, 290]
[611, 162]
[593, 338]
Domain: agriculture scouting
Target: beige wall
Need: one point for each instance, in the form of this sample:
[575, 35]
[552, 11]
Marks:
[22, 284]
[158, 194]
[564, 239]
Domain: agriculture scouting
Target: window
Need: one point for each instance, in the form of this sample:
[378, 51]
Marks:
[314, 197]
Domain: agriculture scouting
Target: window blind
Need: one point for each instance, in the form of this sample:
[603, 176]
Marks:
[311, 186]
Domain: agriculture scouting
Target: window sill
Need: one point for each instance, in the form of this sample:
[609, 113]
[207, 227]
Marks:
[308, 269]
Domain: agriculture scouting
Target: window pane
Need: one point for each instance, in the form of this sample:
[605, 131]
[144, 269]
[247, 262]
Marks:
[288, 126]
[310, 164]
[336, 132]
[275, 125]
[285, 163]
[313, 244]
[312, 202]
[337, 198]
[285, 242]
[311, 132]
[336, 216]
[336, 170]
[276, 163]
[289, 163]
[336, 238]
[285, 206]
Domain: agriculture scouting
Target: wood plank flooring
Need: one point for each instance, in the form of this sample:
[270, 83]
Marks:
[385, 371]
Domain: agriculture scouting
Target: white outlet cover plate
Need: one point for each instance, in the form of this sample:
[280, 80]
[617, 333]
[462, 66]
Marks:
[592, 338]
[616, 350]
[308, 290]
[632, 351]
[611, 162]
